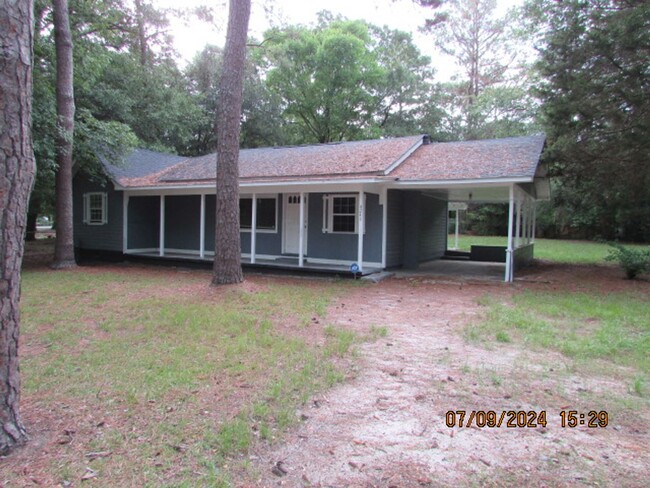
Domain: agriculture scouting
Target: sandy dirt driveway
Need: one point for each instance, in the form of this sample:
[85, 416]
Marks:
[386, 426]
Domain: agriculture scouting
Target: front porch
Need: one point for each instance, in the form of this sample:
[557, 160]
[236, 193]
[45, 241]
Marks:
[282, 263]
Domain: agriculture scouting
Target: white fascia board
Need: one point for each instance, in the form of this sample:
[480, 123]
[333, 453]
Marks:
[458, 183]
[272, 187]
[404, 157]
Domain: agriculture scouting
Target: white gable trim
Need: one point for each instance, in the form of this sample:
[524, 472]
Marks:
[405, 156]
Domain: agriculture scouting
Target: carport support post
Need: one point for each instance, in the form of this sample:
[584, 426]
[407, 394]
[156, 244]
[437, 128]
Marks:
[508, 277]
[534, 224]
[202, 228]
[518, 229]
[301, 231]
[161, 250]
[457, 229]
[524, 232]
[125, 222]
[254, 228]
[361, 226]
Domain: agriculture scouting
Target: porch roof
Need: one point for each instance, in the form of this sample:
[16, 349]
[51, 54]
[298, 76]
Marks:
[327, 162]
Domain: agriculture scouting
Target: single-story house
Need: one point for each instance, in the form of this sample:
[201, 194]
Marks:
[374, 204]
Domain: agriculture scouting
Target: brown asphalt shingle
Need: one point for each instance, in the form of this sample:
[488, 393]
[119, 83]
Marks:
[492, 158]
[495, 158]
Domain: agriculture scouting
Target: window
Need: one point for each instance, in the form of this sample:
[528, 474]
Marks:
[340, 214]
[266, 213]
[95, 208]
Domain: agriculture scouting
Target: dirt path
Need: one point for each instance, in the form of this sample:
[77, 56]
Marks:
[387, 428]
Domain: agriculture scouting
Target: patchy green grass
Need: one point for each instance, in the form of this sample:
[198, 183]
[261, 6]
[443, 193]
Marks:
[176, 380]
[611, 328]
[556, 250]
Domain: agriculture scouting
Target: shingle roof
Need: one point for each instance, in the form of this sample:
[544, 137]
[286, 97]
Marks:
[496, 158]
[492, 158]
[142, 162]
[344, 158]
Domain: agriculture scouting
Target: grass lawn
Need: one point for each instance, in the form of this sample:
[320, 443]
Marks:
[168, 379]
[557, 250]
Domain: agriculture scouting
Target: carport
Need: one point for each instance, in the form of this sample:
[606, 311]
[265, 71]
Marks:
[488, 171]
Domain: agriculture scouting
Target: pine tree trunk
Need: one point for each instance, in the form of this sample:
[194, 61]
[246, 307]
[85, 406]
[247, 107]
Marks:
[17, 169]
[64, 247]
[227, 249]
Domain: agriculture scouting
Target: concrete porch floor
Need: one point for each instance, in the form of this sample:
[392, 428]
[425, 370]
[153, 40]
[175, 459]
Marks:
[470, 270]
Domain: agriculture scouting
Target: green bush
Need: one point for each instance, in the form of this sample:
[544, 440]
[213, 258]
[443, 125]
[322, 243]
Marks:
[633, 261]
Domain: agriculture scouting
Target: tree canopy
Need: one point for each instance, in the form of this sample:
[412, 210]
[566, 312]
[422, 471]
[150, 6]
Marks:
[596, 113]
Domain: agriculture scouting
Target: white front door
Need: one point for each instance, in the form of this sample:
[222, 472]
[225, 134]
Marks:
[291, 224]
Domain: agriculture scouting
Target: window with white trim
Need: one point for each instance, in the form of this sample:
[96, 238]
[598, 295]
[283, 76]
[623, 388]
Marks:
[267, 211]
[340, 214]
[95, 208]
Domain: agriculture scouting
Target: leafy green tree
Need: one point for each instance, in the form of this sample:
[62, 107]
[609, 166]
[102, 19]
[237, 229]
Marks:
[491, 97]
[405, 85]
[326, 77]
[262, 123]
[596, 109]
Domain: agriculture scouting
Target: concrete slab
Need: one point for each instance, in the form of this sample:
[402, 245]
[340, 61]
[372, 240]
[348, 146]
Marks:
[466, 270]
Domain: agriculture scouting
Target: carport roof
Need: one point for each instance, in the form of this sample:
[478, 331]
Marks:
[512, 157]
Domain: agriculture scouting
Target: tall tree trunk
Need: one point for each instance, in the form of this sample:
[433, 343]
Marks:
[142, 34]
[17, 169]
[227, 248]
[64, 247]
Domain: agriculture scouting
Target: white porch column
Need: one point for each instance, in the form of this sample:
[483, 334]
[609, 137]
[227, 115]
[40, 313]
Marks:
[518, 227]
[457, 230]
[125, 222]
[384, 225]
[361, 225]
[301, 231]
[202, 228]
[524, 225]
[161, 243]
[254, 229]
[532, 233]
[509, 274]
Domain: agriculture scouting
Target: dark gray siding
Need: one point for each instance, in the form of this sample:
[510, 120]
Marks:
[183, 222]
[417, 228]
[322, 245]
[432, 238]
[106, 237]
[144, 217]
[395, 226]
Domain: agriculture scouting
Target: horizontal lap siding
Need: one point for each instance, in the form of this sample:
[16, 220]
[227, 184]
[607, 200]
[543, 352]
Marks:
[143, 222]
[432, 237]
[417, 228]
[395, 227]
[183, 222]
[105, 237]
[323, 245]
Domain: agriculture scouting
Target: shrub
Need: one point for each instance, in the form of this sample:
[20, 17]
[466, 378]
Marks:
[633, 261]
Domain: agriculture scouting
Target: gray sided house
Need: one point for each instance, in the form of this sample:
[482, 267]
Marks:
[375, 204]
